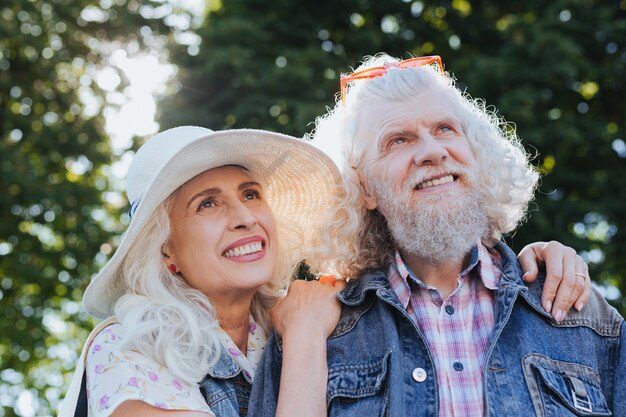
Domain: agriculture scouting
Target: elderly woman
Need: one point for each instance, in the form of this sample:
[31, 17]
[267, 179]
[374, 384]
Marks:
[219, 220]
[191, 283]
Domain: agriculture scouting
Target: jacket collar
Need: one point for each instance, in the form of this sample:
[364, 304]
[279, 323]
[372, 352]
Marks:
[510, 268]
[511, 284]
[356, 290]
[376, 280]
[225, 367]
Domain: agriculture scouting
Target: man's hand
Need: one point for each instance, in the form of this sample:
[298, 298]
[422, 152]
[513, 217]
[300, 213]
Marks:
[567, 276]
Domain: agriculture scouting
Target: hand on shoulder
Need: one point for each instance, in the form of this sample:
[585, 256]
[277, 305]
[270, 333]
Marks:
[309, 308]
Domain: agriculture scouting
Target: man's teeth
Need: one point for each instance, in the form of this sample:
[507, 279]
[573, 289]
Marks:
[436, 181]
[244, 250]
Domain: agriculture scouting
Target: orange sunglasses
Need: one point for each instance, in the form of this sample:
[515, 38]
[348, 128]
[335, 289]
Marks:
[374, 72]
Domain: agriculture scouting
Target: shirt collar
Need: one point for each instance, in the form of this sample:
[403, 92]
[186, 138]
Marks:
[256, 344]
[485, 261]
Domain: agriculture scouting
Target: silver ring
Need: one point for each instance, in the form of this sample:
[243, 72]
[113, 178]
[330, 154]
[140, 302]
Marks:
[578, 274]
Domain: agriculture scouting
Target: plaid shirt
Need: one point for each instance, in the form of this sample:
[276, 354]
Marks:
[456, 329]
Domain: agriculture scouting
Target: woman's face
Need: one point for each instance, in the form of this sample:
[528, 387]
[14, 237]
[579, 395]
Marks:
[224, 239]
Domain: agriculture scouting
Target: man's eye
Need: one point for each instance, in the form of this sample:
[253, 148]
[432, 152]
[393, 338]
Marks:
[398, 141]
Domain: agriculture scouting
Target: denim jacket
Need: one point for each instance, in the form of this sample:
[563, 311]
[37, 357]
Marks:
[225, 389]
[380, 365]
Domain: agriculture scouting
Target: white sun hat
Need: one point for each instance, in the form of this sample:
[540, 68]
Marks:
[299, 183]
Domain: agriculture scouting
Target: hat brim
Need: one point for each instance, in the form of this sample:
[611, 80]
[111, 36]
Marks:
[299, 183]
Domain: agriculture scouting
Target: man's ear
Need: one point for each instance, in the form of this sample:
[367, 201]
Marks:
[370, 201]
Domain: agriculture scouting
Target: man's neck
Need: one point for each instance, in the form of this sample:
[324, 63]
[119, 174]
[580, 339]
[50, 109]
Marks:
[443, 276]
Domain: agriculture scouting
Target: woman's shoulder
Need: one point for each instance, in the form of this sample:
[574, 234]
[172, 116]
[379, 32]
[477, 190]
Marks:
[115, 375]
[108, 335]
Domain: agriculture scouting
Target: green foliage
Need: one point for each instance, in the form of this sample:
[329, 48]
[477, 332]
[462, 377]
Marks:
[554, 68]
[56, 227]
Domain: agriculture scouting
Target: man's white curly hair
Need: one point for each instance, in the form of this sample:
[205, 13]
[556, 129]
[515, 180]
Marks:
[358, 239]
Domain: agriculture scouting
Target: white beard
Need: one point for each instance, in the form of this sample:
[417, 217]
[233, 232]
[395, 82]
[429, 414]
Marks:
[440, 228]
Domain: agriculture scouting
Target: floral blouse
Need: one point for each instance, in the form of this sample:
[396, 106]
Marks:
[114, 376]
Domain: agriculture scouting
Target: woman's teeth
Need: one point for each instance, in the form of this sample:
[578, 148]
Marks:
[244, 250]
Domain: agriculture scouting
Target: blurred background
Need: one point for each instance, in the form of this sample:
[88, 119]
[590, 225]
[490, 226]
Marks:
[84, 82]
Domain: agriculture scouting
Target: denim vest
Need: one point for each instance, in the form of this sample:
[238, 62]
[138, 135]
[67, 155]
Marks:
[380, 365]
[225, 389]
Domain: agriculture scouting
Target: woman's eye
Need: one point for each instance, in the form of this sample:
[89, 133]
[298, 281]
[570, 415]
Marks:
[252, 195]
[208, 203]
[445, 129]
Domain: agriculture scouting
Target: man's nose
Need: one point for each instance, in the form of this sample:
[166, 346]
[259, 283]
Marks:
[429, 151]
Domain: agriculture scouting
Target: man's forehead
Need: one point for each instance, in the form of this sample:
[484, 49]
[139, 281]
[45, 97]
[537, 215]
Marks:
[385, 116]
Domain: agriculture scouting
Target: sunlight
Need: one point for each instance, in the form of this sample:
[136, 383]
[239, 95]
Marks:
[24, 406]
[147, 79]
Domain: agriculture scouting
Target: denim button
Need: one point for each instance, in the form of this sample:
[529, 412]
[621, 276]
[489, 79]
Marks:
[449, 309]
[458, 366]
[419, 374]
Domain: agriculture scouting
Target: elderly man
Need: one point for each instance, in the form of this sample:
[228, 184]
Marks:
[436, 320]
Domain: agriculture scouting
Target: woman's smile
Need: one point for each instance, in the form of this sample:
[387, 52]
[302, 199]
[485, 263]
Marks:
[248, 249]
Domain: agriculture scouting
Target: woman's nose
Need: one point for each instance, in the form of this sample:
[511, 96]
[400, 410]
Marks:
[241, 216]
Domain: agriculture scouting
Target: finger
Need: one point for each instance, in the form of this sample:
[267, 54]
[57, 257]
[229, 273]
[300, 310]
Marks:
[328, 279]
[582, 299]
[340, 284]
[571, 286]
[528, 259]
[565, 295]
[554, 274]
[580, 282]
[586, 293]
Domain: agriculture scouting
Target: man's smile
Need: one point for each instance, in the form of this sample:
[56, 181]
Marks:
[440, 180]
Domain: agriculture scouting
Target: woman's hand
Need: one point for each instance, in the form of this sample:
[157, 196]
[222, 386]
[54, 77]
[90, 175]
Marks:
[309, 306]
[305, 318]
[567, 276]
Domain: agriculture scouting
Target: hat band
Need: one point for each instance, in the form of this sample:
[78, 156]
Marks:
[133, 207]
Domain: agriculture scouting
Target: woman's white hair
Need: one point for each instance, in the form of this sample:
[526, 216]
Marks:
[167, 320]
[359, 239]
